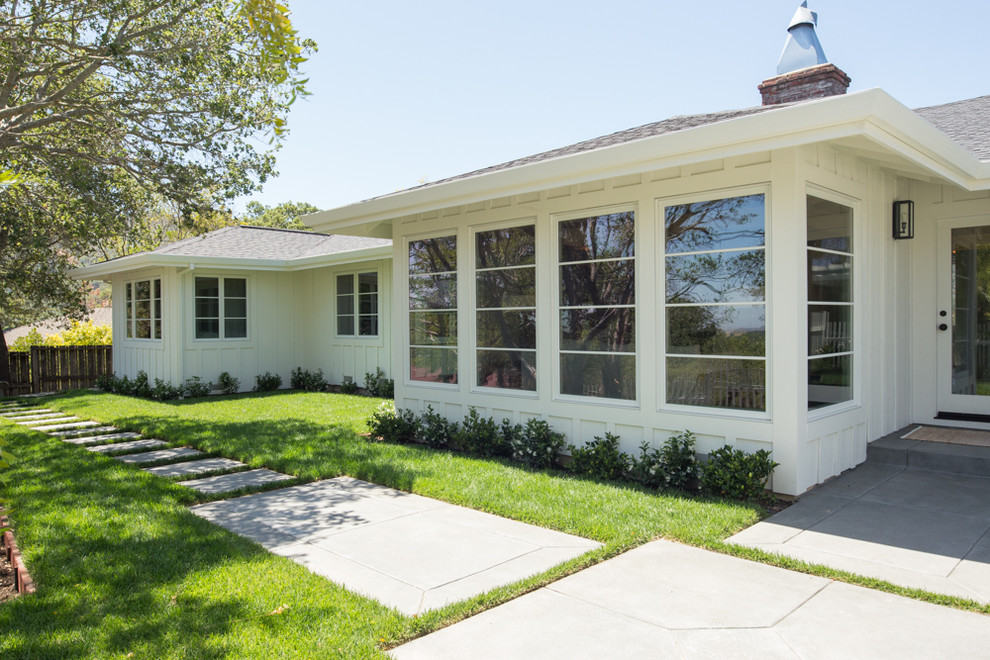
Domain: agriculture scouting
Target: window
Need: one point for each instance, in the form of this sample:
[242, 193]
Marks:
[597, 306]
[143, 309]
[830, 303]
[358, 303]
[505, 278]
[433, 310]
[714, 261]
[221, 307]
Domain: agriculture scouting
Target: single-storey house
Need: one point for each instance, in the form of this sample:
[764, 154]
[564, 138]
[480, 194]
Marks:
[804, 276]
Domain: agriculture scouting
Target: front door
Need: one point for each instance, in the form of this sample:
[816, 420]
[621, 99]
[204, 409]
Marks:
[963, 321]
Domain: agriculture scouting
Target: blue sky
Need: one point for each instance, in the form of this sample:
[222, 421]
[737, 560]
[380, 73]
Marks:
[407, 92]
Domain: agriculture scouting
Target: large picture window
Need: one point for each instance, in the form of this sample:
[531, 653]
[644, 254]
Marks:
[830, 303]
[505, 277]
[715, 277]
[143, 309]
[433, 310]
[597, 306]
[221, 307]
[357, 305]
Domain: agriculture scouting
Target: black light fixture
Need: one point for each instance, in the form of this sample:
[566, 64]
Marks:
[904, 219]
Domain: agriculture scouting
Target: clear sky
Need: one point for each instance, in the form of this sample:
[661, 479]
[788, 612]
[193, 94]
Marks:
[406, 92]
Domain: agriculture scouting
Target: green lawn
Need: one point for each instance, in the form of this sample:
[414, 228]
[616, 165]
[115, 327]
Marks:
[124, 568]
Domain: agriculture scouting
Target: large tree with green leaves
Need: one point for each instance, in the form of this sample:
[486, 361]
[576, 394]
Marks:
[281, 216]
[111, 108]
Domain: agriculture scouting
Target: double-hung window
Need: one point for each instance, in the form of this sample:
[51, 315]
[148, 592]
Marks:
[505, 276]
[221, 307]
[433, 310]
[596, 269]
[715, 278]
[357, 305]
[143, 309]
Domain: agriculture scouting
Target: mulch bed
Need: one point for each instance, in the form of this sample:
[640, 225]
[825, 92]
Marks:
[7, 588]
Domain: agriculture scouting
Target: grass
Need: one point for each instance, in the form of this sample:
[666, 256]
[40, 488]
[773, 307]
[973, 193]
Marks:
[123, 567]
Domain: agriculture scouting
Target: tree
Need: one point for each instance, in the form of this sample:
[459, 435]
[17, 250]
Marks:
[111, 108]
[283, 216]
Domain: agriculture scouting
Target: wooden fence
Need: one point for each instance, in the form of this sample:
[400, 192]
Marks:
[57, 368]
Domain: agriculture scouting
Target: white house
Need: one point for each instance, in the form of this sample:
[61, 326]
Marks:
[805, 276]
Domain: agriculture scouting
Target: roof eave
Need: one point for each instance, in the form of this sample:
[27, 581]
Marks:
[151, 260]
[872, 113]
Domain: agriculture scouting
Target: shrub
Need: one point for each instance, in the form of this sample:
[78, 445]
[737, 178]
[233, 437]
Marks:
[165, 391]
[106, 382]
[194, 387]
[538, 445]
[674, 465]
[481, 435]
[349, 387]
[390, 425]
[304, 379]
[139, 386]
[734, 473]
[379, 385]
[228, 383]
[80, 334]
[600, 458]
[437, 431]
[267, 382]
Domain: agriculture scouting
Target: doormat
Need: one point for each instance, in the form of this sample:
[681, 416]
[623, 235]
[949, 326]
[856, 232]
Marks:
[951, 436]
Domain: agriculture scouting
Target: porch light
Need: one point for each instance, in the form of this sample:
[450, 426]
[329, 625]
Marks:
[904, 219]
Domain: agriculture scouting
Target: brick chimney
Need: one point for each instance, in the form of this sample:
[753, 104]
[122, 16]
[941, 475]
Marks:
[803, 71]
[814, 82]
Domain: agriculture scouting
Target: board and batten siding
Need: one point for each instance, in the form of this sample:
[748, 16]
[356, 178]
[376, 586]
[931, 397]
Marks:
[159, 358]
[810, 447]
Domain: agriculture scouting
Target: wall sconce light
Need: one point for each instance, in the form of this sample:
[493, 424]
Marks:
[904, 219]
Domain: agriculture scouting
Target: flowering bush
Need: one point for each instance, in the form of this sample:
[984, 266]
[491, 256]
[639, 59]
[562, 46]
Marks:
[390, 425]
[436, 430]
[481, 435]
[674, 465]
[538, 445]
[600, 458]
[734, 473]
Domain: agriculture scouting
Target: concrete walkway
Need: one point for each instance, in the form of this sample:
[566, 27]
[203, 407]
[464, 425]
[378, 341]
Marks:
[407, 551]
[664, 600]
[913, 527]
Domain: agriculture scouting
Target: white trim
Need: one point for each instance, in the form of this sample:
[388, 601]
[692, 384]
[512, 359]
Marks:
[403, 323]
[222, 338]
[130, 324]
[357, 337]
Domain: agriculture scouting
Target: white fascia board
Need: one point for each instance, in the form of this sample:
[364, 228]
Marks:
[150, 260]
[872, 113]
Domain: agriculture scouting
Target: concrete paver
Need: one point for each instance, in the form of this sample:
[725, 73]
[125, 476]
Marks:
[103, 438]
[146, 443]
[58, 418]
[227, 482]
[65, 427]
[909, 526]
[159, 455]
[407, 551]
[668, 600]
[81, 432]
[25, 414]
[188, 468]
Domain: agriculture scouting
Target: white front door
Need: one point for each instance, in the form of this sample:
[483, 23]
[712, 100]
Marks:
[963, 319]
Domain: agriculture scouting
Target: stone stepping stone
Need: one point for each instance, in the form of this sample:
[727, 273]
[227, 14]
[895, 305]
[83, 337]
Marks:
[160, 455]
[65, 427]
[103, 439]
[25, 411]
[77, 433]
[133, 445]
[227, 482]
[51, 420]
[193, 467]
[24, 417]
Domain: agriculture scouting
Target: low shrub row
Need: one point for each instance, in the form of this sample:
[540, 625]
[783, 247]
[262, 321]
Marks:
[727, 472]
[376, 384]
[161, 391]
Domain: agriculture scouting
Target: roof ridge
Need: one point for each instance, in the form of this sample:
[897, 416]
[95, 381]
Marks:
[307, 232]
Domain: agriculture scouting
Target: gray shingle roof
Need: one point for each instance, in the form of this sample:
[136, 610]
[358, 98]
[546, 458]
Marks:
[244, 241]
[966, 122]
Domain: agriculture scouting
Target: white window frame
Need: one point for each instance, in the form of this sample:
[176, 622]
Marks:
[458, 311]
[661, 302]
[472, 304]
[130, 311]
[355, 295]
[858, 237]
[222, 333]
[555, 220]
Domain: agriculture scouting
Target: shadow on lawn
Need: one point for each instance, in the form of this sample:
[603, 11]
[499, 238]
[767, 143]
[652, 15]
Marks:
[104, 543]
